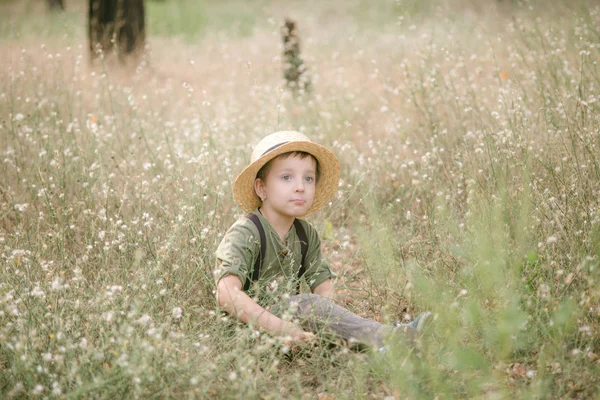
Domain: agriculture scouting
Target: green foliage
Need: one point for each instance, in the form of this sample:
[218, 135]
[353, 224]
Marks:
[27, 22]
[177, 18]
[194, 19]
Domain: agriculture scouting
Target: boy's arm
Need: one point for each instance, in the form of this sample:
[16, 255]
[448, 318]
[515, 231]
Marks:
[325, 289]
[231, 297]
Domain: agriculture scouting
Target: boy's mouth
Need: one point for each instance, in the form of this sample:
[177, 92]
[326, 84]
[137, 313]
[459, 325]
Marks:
[298, 201]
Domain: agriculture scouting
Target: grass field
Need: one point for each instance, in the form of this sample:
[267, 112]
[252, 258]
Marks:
[469, 138]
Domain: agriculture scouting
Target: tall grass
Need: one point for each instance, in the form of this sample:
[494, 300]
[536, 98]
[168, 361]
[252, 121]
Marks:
[469, 142]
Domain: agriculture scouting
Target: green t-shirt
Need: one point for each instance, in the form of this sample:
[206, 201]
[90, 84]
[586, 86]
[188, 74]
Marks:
[240, 248]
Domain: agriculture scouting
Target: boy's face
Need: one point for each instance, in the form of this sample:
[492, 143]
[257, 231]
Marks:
[289, 187]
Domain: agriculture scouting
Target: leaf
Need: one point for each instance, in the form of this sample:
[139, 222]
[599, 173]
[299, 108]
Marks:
[328, 234]
[532, 258]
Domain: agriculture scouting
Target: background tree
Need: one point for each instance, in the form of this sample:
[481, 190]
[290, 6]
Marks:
[294, 70]
[118, 24]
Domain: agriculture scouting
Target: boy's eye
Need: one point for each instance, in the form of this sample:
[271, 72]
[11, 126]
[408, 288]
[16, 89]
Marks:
[286, 177]
[309, 179]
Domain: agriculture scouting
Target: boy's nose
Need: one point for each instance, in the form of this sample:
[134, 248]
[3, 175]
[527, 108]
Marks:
[300, 186]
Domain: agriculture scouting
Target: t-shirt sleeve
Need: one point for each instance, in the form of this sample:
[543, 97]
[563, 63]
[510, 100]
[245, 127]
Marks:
[317, 267]
[237, 251]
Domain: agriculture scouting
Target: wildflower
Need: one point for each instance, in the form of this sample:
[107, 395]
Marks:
[16, 390]
[56, 390]
[37, 390]
[586, 329]
[544, 291]
[144, 319]
[56, 285]
[109, 316]
[21, 207]
[176, 312]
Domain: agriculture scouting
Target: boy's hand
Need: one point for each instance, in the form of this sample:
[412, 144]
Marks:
[298, 336]
[232, 298]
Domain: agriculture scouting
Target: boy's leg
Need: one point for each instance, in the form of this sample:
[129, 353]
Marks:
[319, 312]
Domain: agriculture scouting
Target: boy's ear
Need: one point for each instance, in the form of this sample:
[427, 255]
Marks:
[259, 188]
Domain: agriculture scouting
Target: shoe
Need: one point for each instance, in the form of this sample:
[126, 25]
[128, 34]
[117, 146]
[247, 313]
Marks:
[421, 321]
[411, 330]
[409, 336]
[418, 322]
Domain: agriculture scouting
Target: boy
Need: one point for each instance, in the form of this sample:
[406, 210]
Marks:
[288, 177]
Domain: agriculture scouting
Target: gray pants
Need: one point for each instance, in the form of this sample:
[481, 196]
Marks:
[318, 313]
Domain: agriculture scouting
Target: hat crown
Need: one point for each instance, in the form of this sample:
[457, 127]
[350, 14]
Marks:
[275, 140]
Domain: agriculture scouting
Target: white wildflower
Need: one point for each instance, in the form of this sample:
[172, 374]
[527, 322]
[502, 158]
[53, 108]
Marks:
[21, 207]
[109, 316]
[176, 312]
[56, 284]
[37, 390]
[56, 390]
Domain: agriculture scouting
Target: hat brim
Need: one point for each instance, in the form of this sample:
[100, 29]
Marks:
[243, 188]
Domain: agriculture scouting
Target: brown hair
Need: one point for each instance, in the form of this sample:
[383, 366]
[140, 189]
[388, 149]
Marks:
[264, 171]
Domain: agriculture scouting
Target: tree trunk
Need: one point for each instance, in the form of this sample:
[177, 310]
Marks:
[116, 25]
[56, 5]
[294, 70]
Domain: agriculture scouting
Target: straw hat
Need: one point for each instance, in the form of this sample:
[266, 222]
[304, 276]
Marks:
[284, 142]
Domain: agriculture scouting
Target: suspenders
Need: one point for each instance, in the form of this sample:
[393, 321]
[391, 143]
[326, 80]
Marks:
[263, 248]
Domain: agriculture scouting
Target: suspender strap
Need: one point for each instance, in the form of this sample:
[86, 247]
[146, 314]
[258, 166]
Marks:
[303, 248]
[263, 250]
